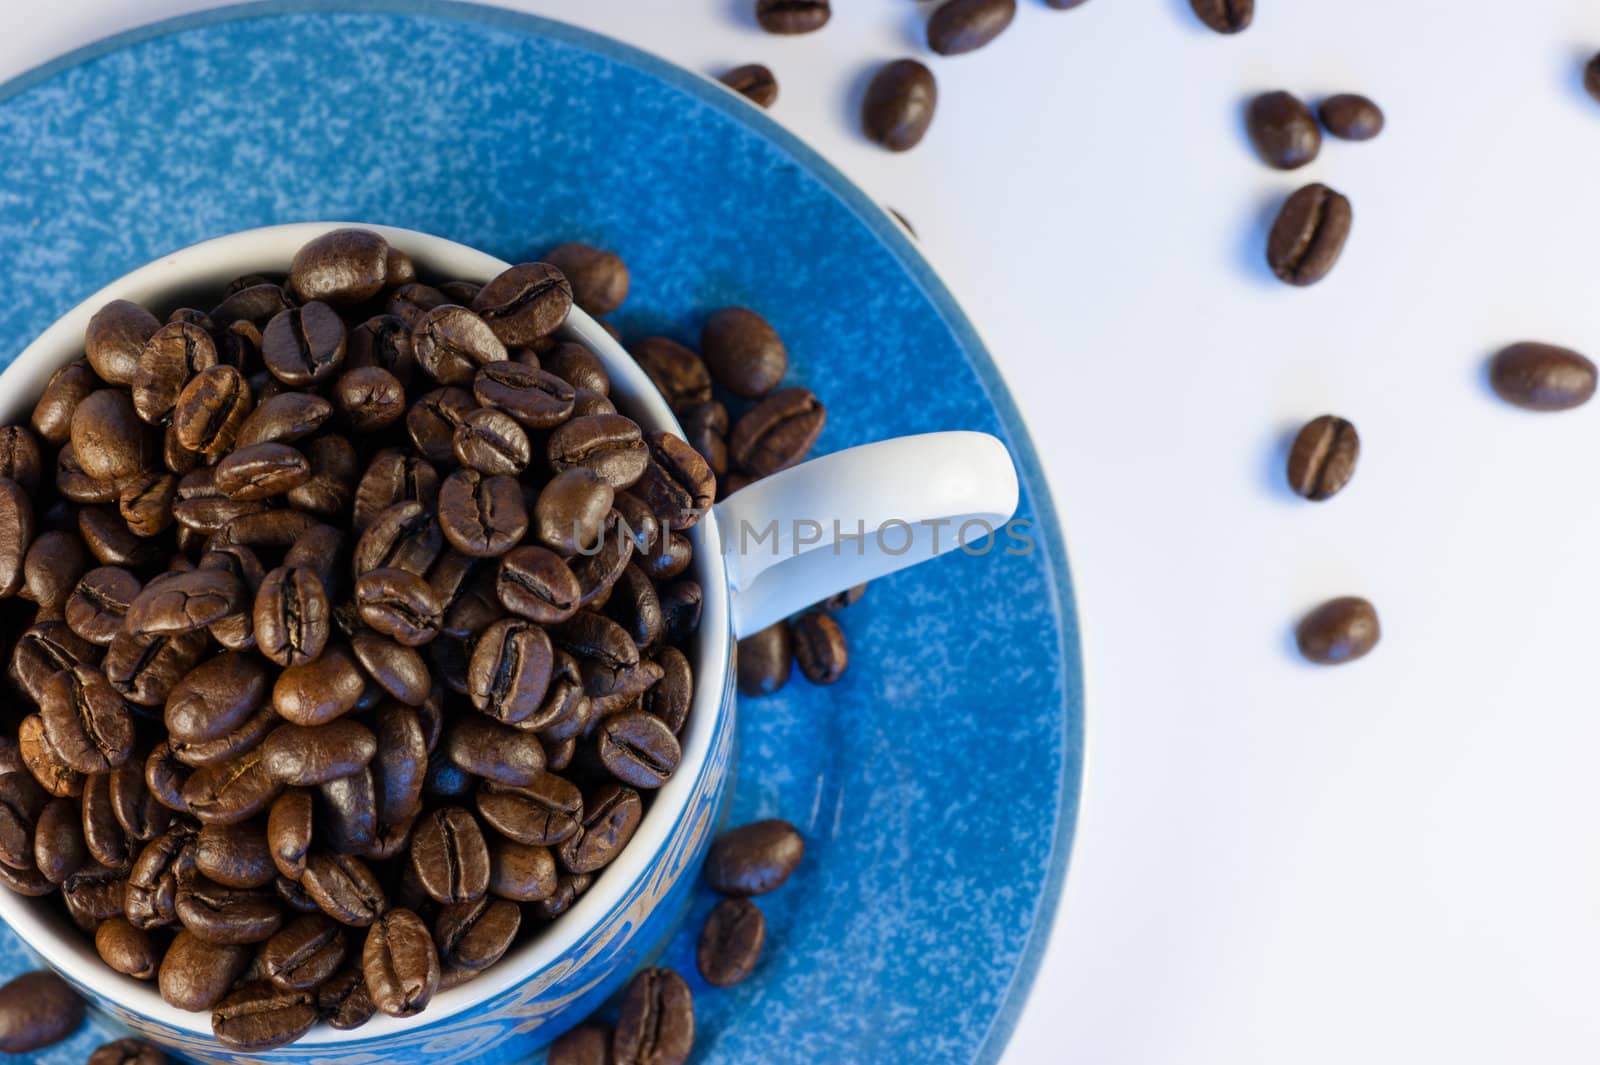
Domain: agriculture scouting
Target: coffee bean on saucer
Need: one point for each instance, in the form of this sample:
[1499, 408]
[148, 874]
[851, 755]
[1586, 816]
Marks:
[1340, 630]
[754, 82]
[1283, 130]
[899, 104]
[1065, 5]
[1351, 117]
[1225, 16]
[792, 16]
[754, 859]
[1591, 77]
[587, 1044]
[960, 26]
[1308, 235]
[743, 352]
[819, 647]
[599, 278]
[37, 1009]
[764, 660]
[1542, 377]
[127, 1052]
[1323, 457]
[655, 1025]
[731, 942]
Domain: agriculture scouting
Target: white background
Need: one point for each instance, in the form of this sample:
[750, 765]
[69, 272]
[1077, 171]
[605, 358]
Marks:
[1395, 861]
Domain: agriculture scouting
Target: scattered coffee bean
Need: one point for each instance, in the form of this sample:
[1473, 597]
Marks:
[819, 647]
[1542, 377]
[754, 82]
[587, 1044]
[1340, 630]
[127, 1052]
[792, 16]
[1283, 130]
[1323, 457]
[754, 859]
[764, 660]
[1351, 117]
[899, 103]
[960, 26]
[37, 1010]
[599, 278]
[655, 1025]
[743, 352]
[1225, 16]
[731, 942]
[1308, 235]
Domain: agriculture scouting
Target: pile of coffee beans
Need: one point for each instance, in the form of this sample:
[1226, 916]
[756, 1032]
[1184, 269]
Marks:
[655, 1020]
[349, 623]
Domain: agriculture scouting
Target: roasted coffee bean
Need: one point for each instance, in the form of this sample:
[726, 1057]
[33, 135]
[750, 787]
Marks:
[67, 387]
[37, 1009]
[398, 669]
[304, 952]
[173, 354]
[43, 761]
[522, 873]
[569, 888]
[899, 104]
[546, 812]
[57, 845]
[16, 535]
[655, 1025]
[1340, 630]
[635, 605]
[449, 856]
[764, 659]
[292, 616]
[344, 267]
[586, 403]
[792, 16]
[524, 304]
[705, 427]
[398, 604]
[1323, 458]
[399, 765]
[451, 342]
[235, 856]
[145, 502]
[1542, 377]
[754, 82]
[303, 755]
[638, 749]
[401, 964]
[85, 721]
[510, 670]
[599, 279]
[45, 649]
[482, 515]
[578, 366]
[394, 477]
[183, 602]
[216, 698]
[210, 410]
[819, 647]
[681, 375]
[1591, 77]
[611, 814]
[587, 1044]
[570, 513]
[731, 942]
[345, 889]
[370, 398]
[319, 691]
[77, 486]
[1308, 235]
[99, 603]
[1283, 130]
[256, 304]
[754, 859]
[267, 530]
[22, 805]
[385, 341]
[533, 397]
[127, 1052]
[304, 345]
[474, 935]
[677, 484]
[127, 949]
[558, 756]
[219, 914]
[144, 669]
[404, 536]
[51, 569]
[410, 302]
[1225, 16]
[165, 776]
[261, 471]
[284, 418]
[104, 837]
[744, 353]
[348, 812]
[231, 791]
[108, 438]
[112, 543]
[671, 697]
[487, 749]
[195, 975]
[961, 26]
[20, 457]
[163, 866]
[138, 810]
[431, 423]
[332, 481]
[778, 432]
[610, 445]
[260, 1016]
[537, 584]
[115, 338]
[93, 894]
[681, 603]
[290, 828]
[1351, 117]
[566, 710]
[343, 1001]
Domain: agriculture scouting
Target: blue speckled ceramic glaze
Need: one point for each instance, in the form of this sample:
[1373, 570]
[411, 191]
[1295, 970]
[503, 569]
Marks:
[937, 782]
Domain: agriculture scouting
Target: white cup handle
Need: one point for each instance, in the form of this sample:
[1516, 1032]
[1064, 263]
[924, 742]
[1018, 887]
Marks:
[896, 503]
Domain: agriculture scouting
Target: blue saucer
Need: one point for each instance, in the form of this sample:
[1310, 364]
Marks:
[937, 783]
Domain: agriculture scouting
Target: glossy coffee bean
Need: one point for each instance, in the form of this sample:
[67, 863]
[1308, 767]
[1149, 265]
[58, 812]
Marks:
[173, 354]
[37, 1009]
[1308, 235]
[1340, 630]
[899, 104]
[404, 536]
[210, 410]
[778, 432]
[196, 975]
[303, 755]
[304, 345]
[1323, 457]
[51, 569]
[579, 367]
[474, 935]
[321, 690]
[98, 604]
[343, 1001]
[819, 647]
[85, 721]
[58, 848]
[397, 669]
[635, 605]
[482, 515]
[488, 749]
[150, 892]
[638, 749]
[792, 16]
[290, 828]
[109, 539]
[126, 949]
[343, 267]
[743, 352]
[655, 1024]
[754, 859]
[165, 777]
[611, 815]
[1542, 377]
[536, 583]
[681, 605]
[260, 1016]
[115, 338]
[450, 856]
[292, 616]
[67, 387]
[20, 457]
[93, 894]
[398, 604]
[219, 914]
[43, 761]
[587, 1044]
[519, 872]
[145, 502]
[681, 375]
[532, 397]
[571, 510]
[451, 342]
[510, 670]
[344, 888]
[401, 964]
[546, 812]
[1225, 16]
[731, 942]
[104, 837]
[525, 304]
[754, 82]
[671, 697]
[960, 26]
[261, 471]
[216, 698]
[599, 279]
[184, 602]
[677, 484]
[1351, 117]
[764, 660]
[231, 791]
[1283, 129]
[109, 439]
[235, 856]
[304, 952]
[347, 812]
[127, 1052]
[284, 419]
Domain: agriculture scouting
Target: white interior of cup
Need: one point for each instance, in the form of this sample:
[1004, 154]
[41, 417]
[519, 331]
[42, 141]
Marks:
[199, 272]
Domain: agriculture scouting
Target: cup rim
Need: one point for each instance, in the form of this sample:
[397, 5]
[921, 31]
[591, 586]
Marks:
[270, 249]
